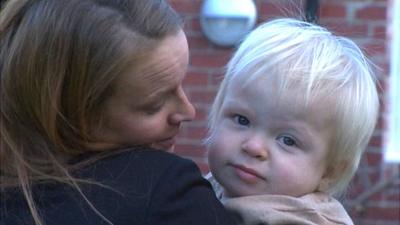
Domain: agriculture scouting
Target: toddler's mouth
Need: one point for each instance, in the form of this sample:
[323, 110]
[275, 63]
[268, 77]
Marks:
[247, 174]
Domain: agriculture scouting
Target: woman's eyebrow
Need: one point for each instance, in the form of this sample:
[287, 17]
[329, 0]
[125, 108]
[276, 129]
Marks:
[156, 95]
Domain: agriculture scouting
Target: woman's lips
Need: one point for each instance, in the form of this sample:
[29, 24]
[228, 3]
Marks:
[166, 144]
[248, 175]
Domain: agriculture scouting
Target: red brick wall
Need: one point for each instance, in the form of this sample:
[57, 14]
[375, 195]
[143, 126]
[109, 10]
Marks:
[364, 21]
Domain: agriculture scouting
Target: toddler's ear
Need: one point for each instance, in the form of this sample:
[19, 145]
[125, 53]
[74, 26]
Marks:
[331, 176]
[324, 185]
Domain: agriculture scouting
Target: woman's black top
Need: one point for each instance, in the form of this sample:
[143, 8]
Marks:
[143, 187]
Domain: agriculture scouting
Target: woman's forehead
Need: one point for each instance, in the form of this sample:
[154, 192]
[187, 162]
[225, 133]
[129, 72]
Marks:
[162, 68]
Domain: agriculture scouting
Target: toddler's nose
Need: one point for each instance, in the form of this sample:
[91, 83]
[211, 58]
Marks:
[256, 147]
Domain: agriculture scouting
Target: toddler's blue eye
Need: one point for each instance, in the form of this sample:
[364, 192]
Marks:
[287, 140]
[242, 120]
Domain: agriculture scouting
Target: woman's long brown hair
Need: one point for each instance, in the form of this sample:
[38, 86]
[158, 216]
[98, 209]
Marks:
[59, 60]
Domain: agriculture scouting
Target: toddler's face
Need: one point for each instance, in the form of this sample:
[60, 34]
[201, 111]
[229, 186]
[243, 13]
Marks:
[150, 104]
[263, 144]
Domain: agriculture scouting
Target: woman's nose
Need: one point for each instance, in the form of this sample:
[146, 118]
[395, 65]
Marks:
[184, 109]
[256, 147]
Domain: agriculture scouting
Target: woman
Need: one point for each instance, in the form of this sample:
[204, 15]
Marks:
[87, 88]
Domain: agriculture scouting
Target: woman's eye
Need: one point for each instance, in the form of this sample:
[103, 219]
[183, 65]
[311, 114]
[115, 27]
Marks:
[287, 140]
[241, 120]
[154, 108]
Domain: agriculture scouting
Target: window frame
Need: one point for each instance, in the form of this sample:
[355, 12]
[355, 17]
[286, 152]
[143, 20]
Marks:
[392, 135]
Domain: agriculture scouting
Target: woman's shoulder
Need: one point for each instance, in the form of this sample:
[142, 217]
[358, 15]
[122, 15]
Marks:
[135, 160]
[136, 165]
[144, 154]
[148, 155]
[133, 186]
[129, 186]
[152, 185]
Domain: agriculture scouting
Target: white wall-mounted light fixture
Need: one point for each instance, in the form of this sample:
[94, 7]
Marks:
[226, 22]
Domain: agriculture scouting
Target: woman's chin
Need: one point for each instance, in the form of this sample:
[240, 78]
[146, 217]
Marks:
[164, 146]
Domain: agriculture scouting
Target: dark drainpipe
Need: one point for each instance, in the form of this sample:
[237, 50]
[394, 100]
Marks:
[311, 10]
